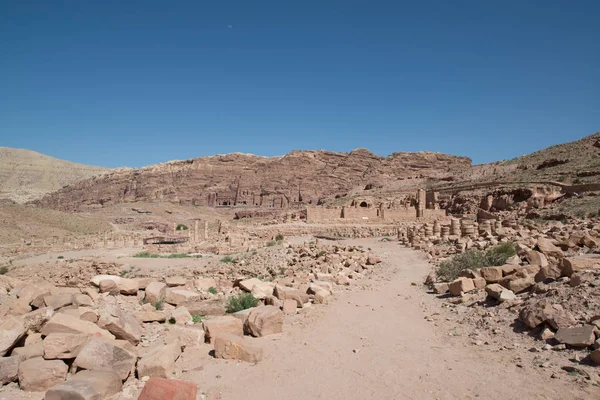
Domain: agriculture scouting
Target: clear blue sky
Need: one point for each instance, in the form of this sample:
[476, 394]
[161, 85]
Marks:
[132, 83]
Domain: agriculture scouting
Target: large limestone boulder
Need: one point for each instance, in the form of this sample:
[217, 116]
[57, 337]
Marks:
[39, 375]
[64, 345]
[582, 336]
[120, 323]
[63, 323]
[163, 389]
[537, 258]
[548, 248]
[59, 300]
[124, 285]
[155, 292]
[11, 330]
[87, 385]
[9, 368]
[536, 314]
[101, 355]
[284, 292]
[233, 347]
[188, 337]
[179, 296]
[491, 274]
[35, 320]
[214, 307]
[220, 325]
[499, 292]
[159, 361]
[570, 265]
[181, 316]
[264, 320]
[461, 285]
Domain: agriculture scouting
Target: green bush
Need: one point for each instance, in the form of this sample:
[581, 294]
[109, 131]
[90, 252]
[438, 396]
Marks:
[145, 254]
[159, 305]
[213, 290]
[181, 227]
[279, 237]
[449, 270]
[228, 259]
[3, 270]
[197, 318]
[271, 244]
[60, 257]
[242, 301]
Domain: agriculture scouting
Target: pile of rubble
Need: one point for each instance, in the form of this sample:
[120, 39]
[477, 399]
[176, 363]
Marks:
[551, 286]
[116, 333]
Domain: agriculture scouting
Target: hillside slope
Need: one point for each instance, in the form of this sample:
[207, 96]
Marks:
[300, 177]
[26, 175]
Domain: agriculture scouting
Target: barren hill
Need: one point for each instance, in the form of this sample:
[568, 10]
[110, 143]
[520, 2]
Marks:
[26, 175]
[304, 177]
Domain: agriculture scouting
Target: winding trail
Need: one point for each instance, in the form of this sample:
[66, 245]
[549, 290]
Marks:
[373, 341]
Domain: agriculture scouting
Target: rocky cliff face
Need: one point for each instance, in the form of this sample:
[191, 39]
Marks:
[300, 177]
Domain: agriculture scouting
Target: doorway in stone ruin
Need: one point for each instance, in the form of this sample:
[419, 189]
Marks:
[364, 204]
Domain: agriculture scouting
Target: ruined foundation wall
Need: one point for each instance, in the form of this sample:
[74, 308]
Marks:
[320, 214]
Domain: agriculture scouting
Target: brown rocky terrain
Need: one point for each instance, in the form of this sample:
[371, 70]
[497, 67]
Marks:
[26, 175]
[300, 177]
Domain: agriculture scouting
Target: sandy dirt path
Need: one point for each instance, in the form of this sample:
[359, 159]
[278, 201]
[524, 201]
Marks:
[374, 342]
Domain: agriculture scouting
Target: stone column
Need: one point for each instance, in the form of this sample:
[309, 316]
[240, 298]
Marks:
[196, 231]
[205, 233]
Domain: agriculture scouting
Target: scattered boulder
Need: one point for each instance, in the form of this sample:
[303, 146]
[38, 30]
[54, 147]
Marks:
[570, 265]
[9, 368]
[219, 325]
[461, 285]
[180, 296]
[233, 347]
[39, 375]
[548, 248]
[64, 345]
[159, 361]
[87, 385]
[101, 355]
[168, 389]
[499, 292]
[12, 329]
[155, 292]
[214, 307]
[264, 320]
[582, 336]
[181, 316]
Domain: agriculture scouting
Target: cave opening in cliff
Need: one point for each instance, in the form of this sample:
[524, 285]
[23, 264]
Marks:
[364, 204]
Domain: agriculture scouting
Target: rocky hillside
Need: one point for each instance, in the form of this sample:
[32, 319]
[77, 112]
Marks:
[242, 179]
[26, 175]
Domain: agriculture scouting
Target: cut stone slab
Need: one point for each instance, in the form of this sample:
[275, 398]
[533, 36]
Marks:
[64, 345]
[181, 316]
[12, 329]
[168, 389]
[100, 355]
[35, 320]
[173, 281]
[57, 301]
[233, 347]
[284, 292]
[264, 320]
[159, 362]
[205, 307]
[248, 284]
[179, 296]
[63, 323]
[122, 324]
[582, 336]
[491, 274]
[571, 265]
[461, 285]
[220, 325]
[155, 292]
[188, 337]
[549, 249]
[9, 368]
[29, 351]
[82, 300]
[150, 316]
[39, 375]
[290, 307]
[499, 292]
[87, 385]
[537, 258]
[440, 288]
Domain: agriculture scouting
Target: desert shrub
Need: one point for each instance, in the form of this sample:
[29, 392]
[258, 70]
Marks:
[159, 305]
[321, 253]
[271, 244]
[60, 257]
[228, 259]
[279, 237]
[197, 318]
[3, 270]
[498, 255]
[145, 254]
[181, 227]
[240, 302]
[450, 269]
[178, 255]
[213, 290]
